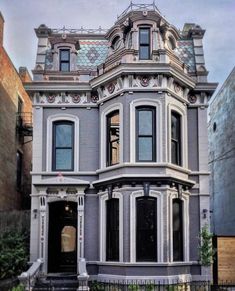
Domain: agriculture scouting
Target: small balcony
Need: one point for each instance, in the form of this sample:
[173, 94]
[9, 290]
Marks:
[24, 123]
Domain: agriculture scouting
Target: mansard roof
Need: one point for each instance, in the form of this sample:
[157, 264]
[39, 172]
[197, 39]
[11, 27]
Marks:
[92, 46]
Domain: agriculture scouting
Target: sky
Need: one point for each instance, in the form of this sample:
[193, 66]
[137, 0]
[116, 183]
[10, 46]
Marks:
[216, 16]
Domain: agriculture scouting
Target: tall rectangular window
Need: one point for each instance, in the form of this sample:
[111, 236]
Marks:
[112, 229]
[63, 146]
[146, 229]
[145, 134]
[19, 164]
[65, 60]
[113, 141]
[144, 44]
[176, 138]
[177, 230]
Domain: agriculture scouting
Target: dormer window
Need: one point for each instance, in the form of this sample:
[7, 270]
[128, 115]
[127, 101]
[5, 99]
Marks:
[144, 43]
[116, 43]
[65, 60]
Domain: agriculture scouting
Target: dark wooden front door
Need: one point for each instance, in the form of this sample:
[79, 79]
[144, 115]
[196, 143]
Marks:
[62, 239]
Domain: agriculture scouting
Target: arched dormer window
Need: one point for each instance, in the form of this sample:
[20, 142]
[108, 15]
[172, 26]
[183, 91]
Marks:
[116, 43]
[65, 60]
[144, 43]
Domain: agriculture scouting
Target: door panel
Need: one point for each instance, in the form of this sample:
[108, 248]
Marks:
[62, 240]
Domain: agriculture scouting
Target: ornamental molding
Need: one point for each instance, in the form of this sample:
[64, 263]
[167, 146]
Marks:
[60, 180]
[65, 99]
[142, 82]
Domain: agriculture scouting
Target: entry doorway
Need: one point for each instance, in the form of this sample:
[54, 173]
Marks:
[62, 238]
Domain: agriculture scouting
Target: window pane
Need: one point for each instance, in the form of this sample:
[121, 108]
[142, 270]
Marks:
[63, 159]
[68, 239]
[146, 230]
[144, 53]
[175, 127]
[64, 135]
[144, 36]
[64, 55]
[145, 149]
[113, 145]
[19, 170]
[174, 152]
[145, 122]
[112, 230]
[177, 230]
[64, 67]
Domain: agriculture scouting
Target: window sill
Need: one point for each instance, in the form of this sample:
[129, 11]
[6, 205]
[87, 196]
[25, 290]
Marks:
[144, 164]
[143, 264]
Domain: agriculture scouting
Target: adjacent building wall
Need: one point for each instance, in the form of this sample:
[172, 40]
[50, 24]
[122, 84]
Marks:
[222, 158]
[11, 88]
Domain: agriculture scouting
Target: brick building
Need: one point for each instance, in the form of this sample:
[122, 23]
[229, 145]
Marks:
[15, 133]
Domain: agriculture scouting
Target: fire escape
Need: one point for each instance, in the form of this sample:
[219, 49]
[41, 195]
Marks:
[24, 125]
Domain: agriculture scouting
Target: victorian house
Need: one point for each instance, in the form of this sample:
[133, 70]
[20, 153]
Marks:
[120, 168]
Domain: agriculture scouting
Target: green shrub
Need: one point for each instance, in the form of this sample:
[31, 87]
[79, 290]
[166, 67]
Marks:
[206, 251]
[19, 287]
[13, 253]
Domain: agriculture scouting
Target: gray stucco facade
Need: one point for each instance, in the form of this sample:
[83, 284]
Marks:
[221, 158]
[107, 74]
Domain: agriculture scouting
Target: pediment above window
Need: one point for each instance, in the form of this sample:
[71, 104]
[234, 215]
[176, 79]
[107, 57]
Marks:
[60, 179]
[65, 40]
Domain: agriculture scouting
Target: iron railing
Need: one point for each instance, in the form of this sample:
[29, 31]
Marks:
[24, 123]
[139, 7]
[131, 285]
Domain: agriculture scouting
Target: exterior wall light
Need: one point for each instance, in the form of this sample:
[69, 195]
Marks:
[35, 212]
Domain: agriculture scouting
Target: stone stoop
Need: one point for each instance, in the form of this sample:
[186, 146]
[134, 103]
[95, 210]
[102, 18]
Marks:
[69, 283]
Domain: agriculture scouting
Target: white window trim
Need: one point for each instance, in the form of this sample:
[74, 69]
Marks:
[158, 107]
[102, 206]
[133, 196]
[152, 27]
[185, 200]
[62, 117]
[56, 58]
[184, 138]
[103, 135]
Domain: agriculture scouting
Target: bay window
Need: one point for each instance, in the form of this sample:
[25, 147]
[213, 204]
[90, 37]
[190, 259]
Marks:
[176, 138]
[145, 134]
[113, 142]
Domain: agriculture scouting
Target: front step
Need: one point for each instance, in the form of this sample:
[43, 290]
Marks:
[59, 282]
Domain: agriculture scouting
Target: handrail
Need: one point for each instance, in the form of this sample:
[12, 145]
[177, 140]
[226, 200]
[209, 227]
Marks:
[139, 7]
[81, 30]
[28, 278]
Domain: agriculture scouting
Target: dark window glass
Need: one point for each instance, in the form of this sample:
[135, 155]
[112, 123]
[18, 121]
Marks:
[20, 105]
[112, 230]
[177, 230]
[19, 163]
[63, 148]
[145, 134]
[146, 229]
[175, 138]
[113, 145]
[64, 60]
[144, 44]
